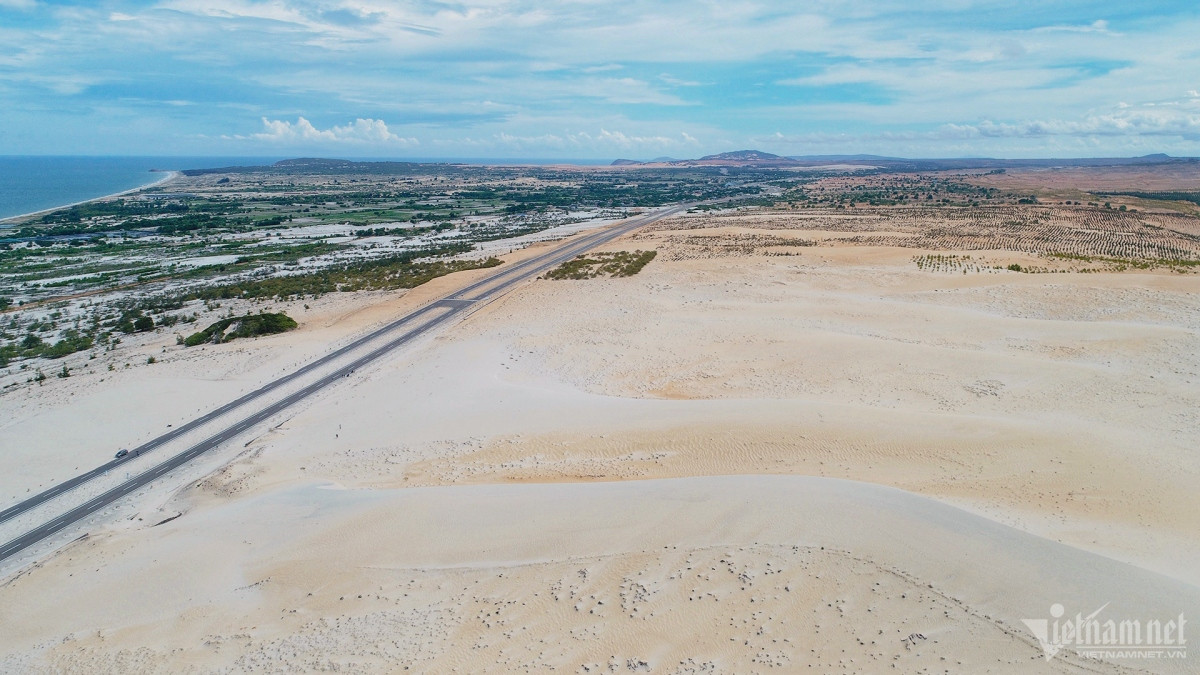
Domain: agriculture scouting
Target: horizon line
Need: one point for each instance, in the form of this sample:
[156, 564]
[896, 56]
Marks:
[566, 160]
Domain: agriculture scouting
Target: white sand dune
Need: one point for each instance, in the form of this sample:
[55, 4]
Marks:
[731, 462]
[732, 571]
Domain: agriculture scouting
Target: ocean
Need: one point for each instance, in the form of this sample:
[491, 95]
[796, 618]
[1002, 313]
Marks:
[29, 184]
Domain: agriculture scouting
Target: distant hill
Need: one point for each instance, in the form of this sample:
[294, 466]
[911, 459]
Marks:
[743, 156]
[962, 163]
[760, 159]
[318, 166]
[735, 159]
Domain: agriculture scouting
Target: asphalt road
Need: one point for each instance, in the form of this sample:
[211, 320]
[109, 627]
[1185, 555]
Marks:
[442, 311]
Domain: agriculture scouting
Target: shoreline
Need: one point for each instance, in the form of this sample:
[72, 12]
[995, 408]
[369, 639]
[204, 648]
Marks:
[171, 175]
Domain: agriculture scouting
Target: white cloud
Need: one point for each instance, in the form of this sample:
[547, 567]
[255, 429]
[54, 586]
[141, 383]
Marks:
[18, 4]
[1099, 26]
[360, 131]
[1172, 118]
[603, 140]
[626, 142]
[603, 69]
[1169, 119]
[1128, 122]
[627, 90]
[238, 9]
[676, 82]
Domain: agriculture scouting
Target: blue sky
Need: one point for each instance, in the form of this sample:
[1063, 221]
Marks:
[598, 79]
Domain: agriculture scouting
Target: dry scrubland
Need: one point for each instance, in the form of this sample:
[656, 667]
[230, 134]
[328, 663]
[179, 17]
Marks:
[795, 441]
[1078, 233]
[1165, 176]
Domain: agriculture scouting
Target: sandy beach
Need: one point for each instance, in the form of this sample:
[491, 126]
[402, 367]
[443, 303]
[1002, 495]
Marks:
[752, 456]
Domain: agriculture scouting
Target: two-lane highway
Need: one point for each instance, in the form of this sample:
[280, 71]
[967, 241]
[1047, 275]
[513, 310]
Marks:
[434, 315]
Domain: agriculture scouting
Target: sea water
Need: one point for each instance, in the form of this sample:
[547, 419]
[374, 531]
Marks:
[29, 184]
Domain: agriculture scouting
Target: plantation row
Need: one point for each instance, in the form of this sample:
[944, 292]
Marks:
[701, 247]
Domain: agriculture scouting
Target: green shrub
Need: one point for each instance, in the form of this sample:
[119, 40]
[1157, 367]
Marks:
[71, 343]
[242, 326]
[614, 264]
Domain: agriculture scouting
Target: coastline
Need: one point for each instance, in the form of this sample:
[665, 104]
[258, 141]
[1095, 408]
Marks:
[171, 175]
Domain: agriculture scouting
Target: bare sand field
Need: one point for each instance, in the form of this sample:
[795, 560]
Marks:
[788, 444]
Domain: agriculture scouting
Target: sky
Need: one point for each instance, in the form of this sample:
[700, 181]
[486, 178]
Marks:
[591, 79]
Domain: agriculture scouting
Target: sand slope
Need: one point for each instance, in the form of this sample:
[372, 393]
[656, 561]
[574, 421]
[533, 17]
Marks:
[725, 574]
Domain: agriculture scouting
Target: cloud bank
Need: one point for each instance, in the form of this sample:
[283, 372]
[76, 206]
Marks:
[1167, 123]
[359, 132]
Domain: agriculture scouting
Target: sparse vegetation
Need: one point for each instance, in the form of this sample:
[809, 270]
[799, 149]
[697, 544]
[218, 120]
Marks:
[612, 264]
[32, 346]
[948, 262]
[381, 274]
[85, 277]
[1163, 240]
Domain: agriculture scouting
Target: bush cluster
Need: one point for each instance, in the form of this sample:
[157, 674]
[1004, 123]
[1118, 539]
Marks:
[250, 325]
